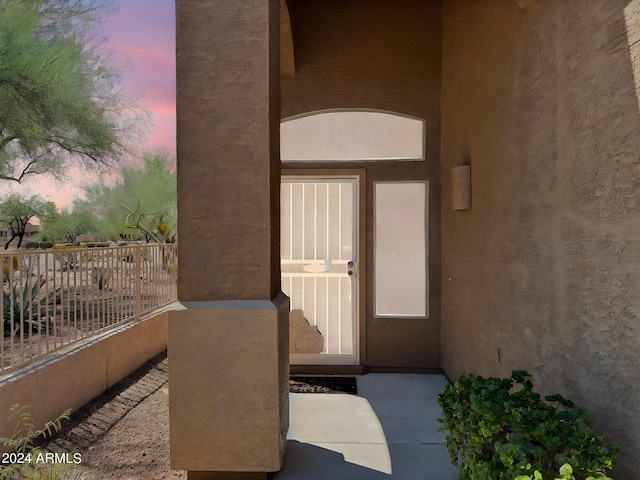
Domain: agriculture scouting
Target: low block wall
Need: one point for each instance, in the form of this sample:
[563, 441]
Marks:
[73, 377]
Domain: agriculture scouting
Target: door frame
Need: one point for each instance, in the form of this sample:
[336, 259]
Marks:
[360, 310]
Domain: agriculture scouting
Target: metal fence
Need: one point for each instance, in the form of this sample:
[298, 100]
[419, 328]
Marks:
[54, 298]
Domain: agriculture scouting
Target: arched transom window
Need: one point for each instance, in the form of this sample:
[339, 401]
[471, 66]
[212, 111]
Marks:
[352, 135]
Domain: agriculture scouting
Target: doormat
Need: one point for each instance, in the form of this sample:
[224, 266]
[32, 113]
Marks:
[322, 384]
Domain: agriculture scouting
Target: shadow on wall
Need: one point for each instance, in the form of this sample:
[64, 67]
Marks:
[547, 102]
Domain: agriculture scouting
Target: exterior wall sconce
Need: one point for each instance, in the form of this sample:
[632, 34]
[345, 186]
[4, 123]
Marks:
[461, 187]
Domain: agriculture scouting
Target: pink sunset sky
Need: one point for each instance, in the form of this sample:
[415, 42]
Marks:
[142, 34]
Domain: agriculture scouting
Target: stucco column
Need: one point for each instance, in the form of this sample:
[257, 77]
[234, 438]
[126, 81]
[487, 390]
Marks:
[228, 346]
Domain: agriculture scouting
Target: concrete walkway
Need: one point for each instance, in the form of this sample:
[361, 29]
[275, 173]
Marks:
[388, 431]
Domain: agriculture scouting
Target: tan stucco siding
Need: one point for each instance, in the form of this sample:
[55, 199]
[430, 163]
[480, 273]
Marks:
[227, 148]
[545, 266]
[73, 377]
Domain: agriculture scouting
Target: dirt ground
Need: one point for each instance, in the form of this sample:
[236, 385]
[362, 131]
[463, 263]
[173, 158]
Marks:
[124, 433]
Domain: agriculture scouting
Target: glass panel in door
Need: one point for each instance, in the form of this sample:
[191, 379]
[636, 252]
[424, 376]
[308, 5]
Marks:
[319, 268]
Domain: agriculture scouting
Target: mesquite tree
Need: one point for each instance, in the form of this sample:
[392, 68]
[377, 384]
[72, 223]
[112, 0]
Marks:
[68, 223]
[15, 213]
[61, 99]
[144, 199]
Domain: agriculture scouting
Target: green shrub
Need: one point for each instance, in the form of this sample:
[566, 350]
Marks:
[66, 246]
[39, 245]
[499, 429]
[566, 473]
[22, 441]
[97, 244]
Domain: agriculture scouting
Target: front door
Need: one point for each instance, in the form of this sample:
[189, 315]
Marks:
[319, 256]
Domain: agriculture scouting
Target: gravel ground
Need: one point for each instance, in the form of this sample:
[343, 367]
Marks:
[124, 433]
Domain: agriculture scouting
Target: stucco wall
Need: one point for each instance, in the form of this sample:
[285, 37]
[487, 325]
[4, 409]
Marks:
[545, 267]
[228, 118]
[381, 55]
[73, 377]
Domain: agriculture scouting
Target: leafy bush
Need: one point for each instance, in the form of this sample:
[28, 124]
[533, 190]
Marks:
[66, 246]
[22, 442]
[566, 473]
[97, 244]
[38, 245]
[495, 430]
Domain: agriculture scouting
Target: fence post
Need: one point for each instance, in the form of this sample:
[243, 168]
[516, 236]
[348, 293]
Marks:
[138, 286]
